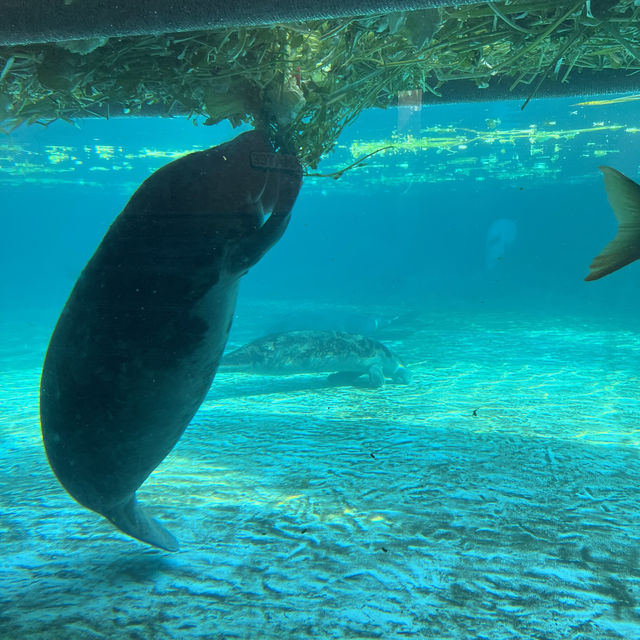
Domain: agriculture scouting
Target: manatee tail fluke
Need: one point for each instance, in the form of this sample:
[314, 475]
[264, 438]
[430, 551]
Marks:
[624, 198]
[131, 519]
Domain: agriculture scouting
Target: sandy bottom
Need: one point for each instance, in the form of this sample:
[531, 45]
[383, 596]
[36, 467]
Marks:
[310, 511]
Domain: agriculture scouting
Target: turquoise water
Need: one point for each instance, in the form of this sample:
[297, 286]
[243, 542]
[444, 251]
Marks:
[494, 497]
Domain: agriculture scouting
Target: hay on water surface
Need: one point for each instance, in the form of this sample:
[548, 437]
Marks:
[306, 82]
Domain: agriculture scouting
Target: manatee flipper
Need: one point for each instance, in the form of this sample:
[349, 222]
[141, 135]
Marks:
[279, 197]
[376, 376]
[131, 519]
[624, 198]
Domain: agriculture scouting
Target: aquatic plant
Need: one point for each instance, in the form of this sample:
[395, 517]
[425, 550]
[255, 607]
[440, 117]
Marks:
[307, 82]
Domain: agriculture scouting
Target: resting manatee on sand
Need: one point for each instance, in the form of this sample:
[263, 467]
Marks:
[138, 342]
[624, 198]
[350, 355]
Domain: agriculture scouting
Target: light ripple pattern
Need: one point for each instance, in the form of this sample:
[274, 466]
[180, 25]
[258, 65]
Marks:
[311, 511]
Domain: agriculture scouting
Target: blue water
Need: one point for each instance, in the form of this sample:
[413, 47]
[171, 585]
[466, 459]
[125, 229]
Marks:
[423, 245]
[470, 526]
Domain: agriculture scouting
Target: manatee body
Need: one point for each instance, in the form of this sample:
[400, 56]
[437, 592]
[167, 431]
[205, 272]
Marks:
[349, 354]
[138, 342]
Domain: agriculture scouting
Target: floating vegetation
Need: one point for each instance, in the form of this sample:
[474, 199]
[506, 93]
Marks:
[452, 139]
[599, 103]
[307, 82]
[445, 153]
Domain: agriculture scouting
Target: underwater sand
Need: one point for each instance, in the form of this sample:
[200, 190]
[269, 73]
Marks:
[310, 511]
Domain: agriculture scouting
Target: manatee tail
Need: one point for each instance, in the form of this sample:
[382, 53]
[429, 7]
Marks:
[131, 519]
[624, 198]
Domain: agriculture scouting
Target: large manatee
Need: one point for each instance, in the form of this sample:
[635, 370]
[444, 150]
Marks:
[349, 354]
[138, 342]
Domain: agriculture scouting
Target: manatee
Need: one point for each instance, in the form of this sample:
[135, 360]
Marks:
[138, 341]
[350, 355]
